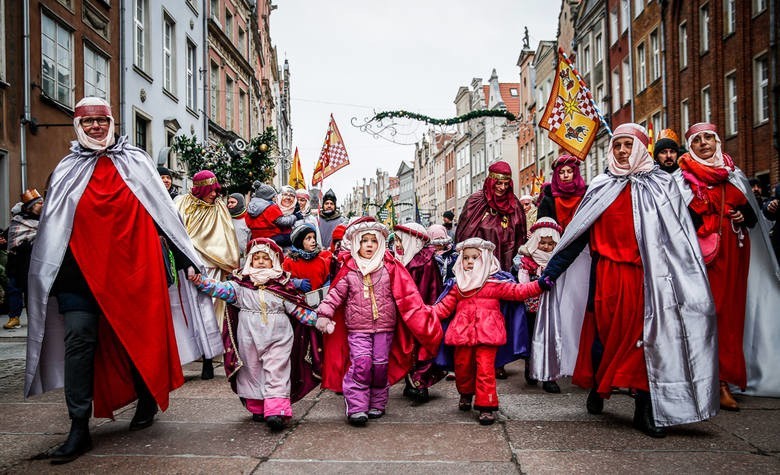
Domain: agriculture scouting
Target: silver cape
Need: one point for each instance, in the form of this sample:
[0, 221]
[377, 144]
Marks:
[196, 332]
[679, 336]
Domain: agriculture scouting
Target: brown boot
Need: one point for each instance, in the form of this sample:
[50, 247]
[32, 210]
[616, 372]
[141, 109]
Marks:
[727, 400]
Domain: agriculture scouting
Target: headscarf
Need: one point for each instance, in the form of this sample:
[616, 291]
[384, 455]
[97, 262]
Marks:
[703, 173]
[639, 160]
[486, 265]
[717, 160]
[575, 187]
[544, 227]
[203, 183]
[505, 204]
[302, 193]
[93, 107]
[439, 237]
[262, 276]
[240, 208]
[355, 232]
[414, 238]
[286, 190]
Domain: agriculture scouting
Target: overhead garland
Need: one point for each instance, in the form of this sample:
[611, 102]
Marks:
[451, 121]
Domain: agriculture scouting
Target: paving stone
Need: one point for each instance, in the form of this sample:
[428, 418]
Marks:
[388, 441]
[761, 428]
[116, 465]
[561, 407]
[398, 410]
[40, 418]
[533, 462]
[305, 467]
[17, 448]
[543, 435]
[243, 439]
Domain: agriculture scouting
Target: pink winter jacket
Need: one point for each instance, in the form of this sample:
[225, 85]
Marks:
[358, 314]
[478, 319]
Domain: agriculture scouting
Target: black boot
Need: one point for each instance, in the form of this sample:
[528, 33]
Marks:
[146, 407]
[410, 391]
[551, 387]
[208, 369]
[594, 404]
[78, 443]
[527, 373]
[643, 416]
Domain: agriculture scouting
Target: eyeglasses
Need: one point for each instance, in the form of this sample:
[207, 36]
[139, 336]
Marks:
[90, 121]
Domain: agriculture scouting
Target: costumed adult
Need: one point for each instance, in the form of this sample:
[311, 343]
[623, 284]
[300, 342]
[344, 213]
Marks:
[741, 267]
[209, 225]
[530, 210]
[167, 179]
[642, 316]
[236, 205]
[330, 217]
[445, 252]
[562, 196]
[772, 212]
[494, 214]
[21, 236]
[98, 250]
[304, 206]
[418, 256]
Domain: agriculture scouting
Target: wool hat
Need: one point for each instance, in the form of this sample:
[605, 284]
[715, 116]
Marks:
[449, 215]
[329, 196]
[338, 232]
[163, 171]
[203, 183]
[663, 144]
[300, 232]
[264, 191]
[240, 207]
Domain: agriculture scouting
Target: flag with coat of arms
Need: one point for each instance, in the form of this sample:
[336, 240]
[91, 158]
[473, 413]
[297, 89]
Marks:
[333, 156]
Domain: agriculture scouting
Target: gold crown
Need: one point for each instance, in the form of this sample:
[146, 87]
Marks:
[29, 195]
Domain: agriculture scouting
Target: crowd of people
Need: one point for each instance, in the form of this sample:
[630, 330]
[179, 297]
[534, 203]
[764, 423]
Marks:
[657, 280]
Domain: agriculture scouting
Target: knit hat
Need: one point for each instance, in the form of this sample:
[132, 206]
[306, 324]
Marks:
[663, 144]
[203, 183]
[163, 171]
[240, 207]
[329, 196]
[300, 232]
[449, 215]
[264, 191]
[338, 232]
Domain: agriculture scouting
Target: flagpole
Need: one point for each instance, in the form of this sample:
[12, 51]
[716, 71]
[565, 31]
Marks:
[587, 91]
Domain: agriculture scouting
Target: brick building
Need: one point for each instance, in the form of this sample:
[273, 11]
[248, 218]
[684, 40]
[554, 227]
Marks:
[647, 47]
[526, 143]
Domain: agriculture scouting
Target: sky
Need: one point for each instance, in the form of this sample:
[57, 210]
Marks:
[352, 58]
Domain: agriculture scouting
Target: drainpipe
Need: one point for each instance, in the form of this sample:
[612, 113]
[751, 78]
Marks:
[662, 39]
[122, 73]
[26, 87]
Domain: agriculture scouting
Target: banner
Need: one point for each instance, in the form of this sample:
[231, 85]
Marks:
[333, 156]
[296, 173]
[386, 213]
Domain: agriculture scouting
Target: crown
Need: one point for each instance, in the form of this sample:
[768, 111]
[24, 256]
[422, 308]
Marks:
[29, 195]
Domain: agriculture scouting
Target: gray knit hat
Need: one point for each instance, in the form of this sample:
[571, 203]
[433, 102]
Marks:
[266, 192]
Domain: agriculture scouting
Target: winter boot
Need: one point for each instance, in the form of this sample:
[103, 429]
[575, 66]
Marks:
[78, 443]
[727, 400]
[146, 408]
[13, 322]
[208, 369]
[527, 373]
[643, 416]
[594, 404]
[275, 423]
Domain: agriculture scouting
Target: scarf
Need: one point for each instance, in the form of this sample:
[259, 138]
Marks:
[531, 248]
[412, 245]
[717, 160]
[262, 276]
[575, 187]
[93, 106]
[286, 192]
[486, 265]
[367, 266]
[305, 255]
[640, 160]
[506, 203]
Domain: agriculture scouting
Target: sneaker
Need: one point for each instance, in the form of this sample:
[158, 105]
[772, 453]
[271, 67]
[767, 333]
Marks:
[358, 419]
[375, 413]
[13, 322]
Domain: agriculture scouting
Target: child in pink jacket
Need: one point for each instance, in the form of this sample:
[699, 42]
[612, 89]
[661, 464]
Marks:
[477, 329]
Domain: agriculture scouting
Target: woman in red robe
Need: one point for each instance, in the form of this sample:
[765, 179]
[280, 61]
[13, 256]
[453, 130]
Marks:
[561, 198]
[723, 218]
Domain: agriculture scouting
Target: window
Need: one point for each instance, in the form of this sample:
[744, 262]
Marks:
[586, 60]
[655, 56]
[626, 82]
[624, 15]
[706, 109]
[214, 10]
[685, 116]
[615, 90]
[599, 52]
[641, 80]
[241, 41]
[683, 39]
[729, 17]
[704, 28]
[214, 88]
[639, 6]
[192, 76]
[600, 98]
[139, 34]
[241, 112]
[731, 103]
[759, 6]
[656, 121]
[95, 74]
[142, 132]
[228, 103]
[56, 61]
[169, 59]
[761, 89]
[229, 25]
[613, 26]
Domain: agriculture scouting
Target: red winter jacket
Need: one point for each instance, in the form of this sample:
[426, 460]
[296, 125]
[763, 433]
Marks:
[478, 319]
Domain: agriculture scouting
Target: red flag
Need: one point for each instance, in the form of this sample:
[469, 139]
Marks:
[333, 156]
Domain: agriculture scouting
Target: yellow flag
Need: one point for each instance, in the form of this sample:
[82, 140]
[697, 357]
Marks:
[296, 173]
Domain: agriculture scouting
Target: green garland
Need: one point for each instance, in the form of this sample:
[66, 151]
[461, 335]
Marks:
[235, 174]
[452, 121]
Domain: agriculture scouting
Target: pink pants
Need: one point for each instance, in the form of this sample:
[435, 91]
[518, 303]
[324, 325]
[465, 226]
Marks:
[365, 384]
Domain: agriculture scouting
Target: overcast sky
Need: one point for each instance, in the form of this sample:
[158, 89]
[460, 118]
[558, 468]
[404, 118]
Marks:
[353, 57]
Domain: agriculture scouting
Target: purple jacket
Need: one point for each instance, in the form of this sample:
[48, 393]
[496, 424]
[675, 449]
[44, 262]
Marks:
[359, 313]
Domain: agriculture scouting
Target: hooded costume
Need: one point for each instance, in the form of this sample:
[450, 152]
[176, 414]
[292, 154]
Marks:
[445, 254]
[743, 274]
[307, 216]
[498, 219]
[648, 277]
[560, 199]
[238, 215]
[104, 207]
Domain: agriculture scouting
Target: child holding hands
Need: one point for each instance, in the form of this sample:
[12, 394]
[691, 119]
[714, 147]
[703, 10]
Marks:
[477, 329]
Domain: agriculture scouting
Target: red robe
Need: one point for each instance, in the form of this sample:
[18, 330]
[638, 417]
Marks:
[125, 254]
[565, 207]
[316, 270]
[617, 319]
[425, 274]
[415, 322]
[506, 231]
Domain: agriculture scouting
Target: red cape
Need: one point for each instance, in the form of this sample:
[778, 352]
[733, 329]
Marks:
[121, 259]
[414, 321]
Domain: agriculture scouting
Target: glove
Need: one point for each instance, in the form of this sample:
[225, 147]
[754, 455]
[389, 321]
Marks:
[546, 282]
[298, 215]
[302, 284]
[325, 325]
